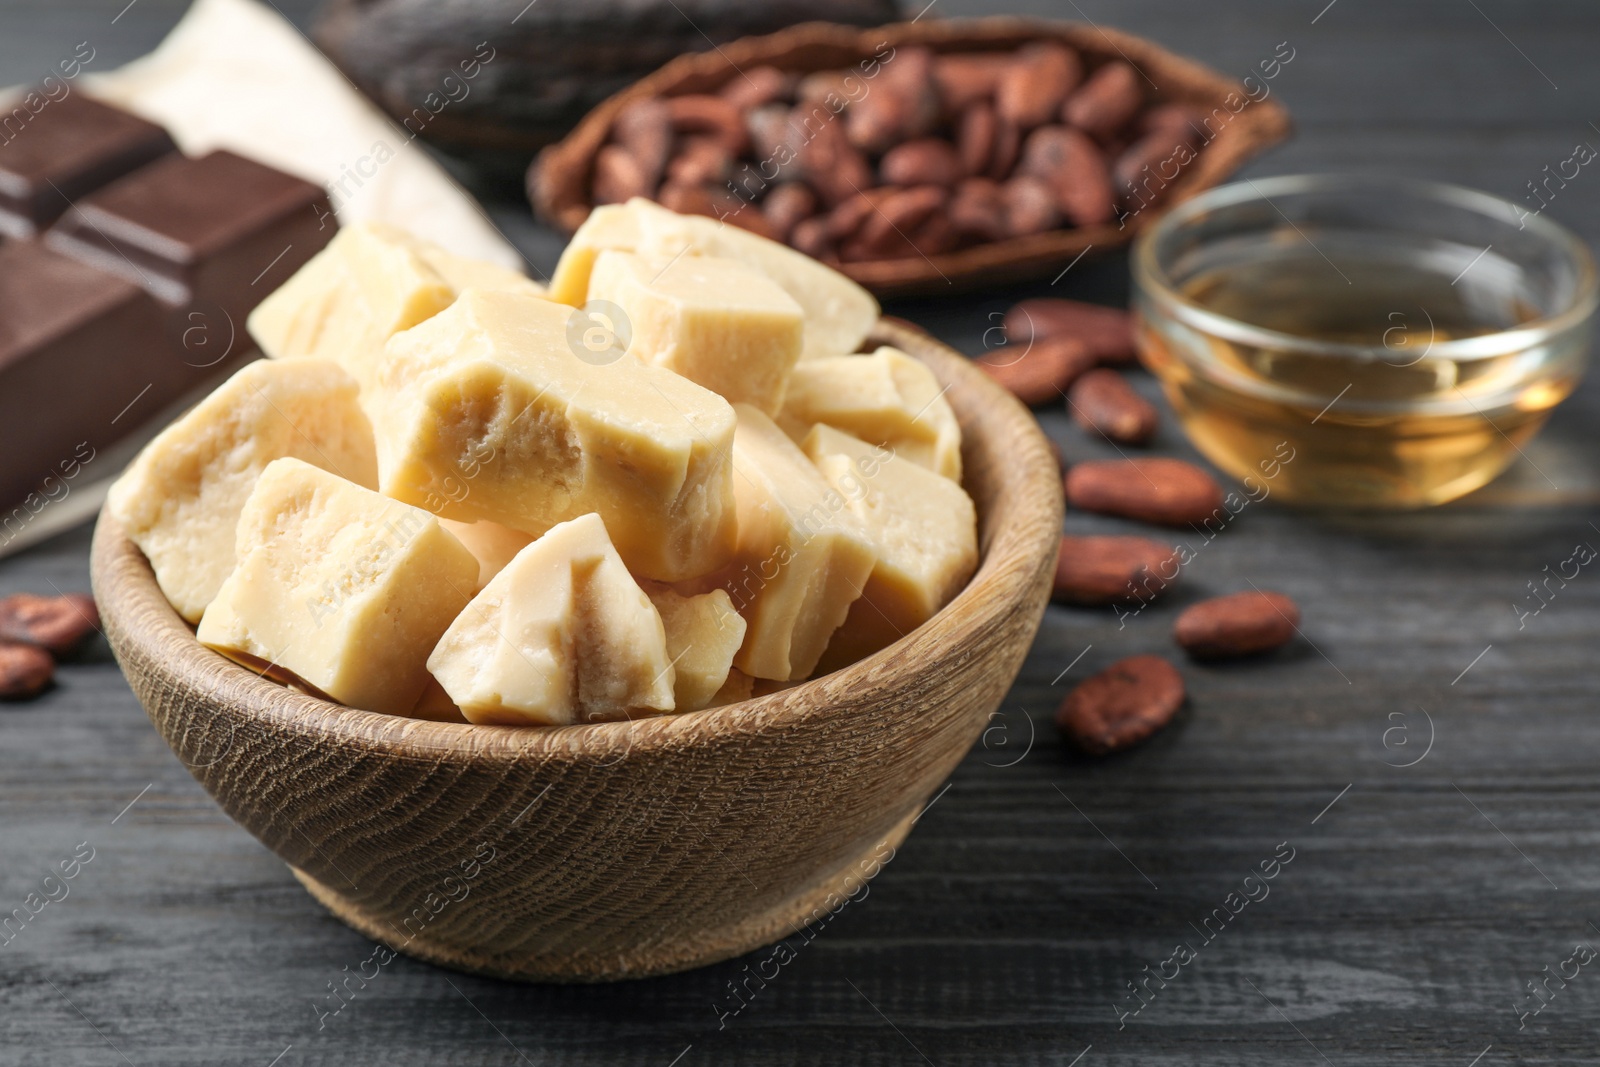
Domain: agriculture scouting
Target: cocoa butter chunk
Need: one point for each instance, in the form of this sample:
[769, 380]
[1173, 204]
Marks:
[923, 527]
[180, 499]
[1107, 332]
[1103, 402]
[493, 410]
[802, 560]
[886, 399]
[838, 312]
[491, 544]
[1039, 371]
[1122, 705]
[371, 282]
[1241, 624]
[703, 635]
[1105, 570]
[715, 321]
[347, 590]
[1168, 492]
[563, 635]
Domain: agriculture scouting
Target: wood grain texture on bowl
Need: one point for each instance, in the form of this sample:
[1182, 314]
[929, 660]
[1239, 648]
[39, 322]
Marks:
[623, 849]
[559, 180]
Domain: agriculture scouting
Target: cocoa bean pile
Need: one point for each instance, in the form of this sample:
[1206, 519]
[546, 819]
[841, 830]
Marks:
[1066, 351]
[908, 153]
[35, 631]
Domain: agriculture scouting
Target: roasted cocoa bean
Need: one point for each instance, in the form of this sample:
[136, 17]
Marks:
[978, 211]
[700, 160]
[617, 176]
[1156, 489]
[710, 115]
[886, 230]
[967, 79]
[1103, 402]
[25, 671]
[687, 199]
[975, 134]
[1040, 372]
[925, 161]
[1101, 106]
[1036, 83]
[644, 128]
[832, 166]
[54, 623]
[811, 237]
[1107, 331]
[1122, 705]
[936, 235]
[1030, 206]
[1071, 164]
[786, 206]
[758, 87]
[1095, 571]
[901, 104]
[1144, 174]
[1240, 624]
[845, 220]
[1004, 148]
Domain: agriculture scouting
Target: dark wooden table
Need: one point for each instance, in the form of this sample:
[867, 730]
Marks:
[1420, 901]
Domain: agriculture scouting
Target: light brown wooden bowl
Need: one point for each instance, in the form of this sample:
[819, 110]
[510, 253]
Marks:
[559, 179]
[625, 849]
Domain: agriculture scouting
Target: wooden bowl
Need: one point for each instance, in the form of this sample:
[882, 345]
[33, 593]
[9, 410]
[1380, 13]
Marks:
[558, 181]
[626, 849]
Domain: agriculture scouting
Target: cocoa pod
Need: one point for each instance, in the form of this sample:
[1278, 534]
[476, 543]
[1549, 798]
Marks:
[617, 176]
[1241, 624]
[53, 623]
[1107, 331]
[1122, 705]
[1038, 372]
[1036, 83]
[901, 103]
[1095, 571]
[700, 160]
[966, 79]
[710, 115]
[1030, 206]
[25, 671]
[978, 211]
[787, 206]
[975, 134]
[1103, 402]
[925, 161]
[1155, 489]
[1072, 165]
[645, 129]
[1106, 102]
[758, 87]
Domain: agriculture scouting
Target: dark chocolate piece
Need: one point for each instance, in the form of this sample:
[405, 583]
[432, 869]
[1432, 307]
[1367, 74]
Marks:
[67, 149]
[220, 231]
[77, 348]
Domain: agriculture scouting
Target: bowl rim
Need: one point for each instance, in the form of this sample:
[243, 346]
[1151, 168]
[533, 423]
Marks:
[1153, 281]
[1014, 557]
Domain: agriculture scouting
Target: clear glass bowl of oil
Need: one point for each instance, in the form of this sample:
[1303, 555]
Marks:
[1399, 341]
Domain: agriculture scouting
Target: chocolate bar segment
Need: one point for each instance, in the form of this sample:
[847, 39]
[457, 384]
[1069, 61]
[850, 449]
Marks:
[218, 231]
[70, 147]
[78, 347]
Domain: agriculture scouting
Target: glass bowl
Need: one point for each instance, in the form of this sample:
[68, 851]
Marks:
[1362, 341]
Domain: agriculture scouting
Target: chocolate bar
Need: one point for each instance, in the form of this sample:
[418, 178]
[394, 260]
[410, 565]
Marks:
[73, 146]
[133, 295]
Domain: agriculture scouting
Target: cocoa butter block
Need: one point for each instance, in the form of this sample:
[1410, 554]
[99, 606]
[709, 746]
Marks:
[78, 348]
[217, 232]
[55, 150]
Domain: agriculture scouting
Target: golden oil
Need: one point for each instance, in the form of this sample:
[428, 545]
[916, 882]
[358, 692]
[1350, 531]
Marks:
[1394, 381]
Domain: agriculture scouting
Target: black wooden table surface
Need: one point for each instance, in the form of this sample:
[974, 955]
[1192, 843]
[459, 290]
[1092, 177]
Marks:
[1420, 900]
